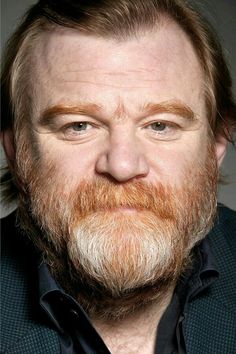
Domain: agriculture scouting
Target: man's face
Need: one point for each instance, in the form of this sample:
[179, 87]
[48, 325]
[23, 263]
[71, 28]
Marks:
[120, 132]
[107, 105]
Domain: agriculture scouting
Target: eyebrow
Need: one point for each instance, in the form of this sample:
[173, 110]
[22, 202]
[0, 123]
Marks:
[91, 109]
[50, 113]
[173, 107]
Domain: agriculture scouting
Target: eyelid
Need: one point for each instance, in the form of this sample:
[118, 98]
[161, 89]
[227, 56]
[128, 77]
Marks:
[171, 132]
[167, 117]
[162, 121]
[61, 126]
[71, 124]
[67, 133]
[63, 119]
[65, 128]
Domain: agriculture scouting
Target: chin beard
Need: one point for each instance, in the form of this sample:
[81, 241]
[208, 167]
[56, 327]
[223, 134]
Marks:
[117, 247]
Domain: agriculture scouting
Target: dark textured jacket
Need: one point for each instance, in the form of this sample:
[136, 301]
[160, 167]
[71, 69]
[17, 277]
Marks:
[209, 324]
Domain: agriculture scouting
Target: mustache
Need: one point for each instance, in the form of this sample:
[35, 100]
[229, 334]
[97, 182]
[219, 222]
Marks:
[105, 196]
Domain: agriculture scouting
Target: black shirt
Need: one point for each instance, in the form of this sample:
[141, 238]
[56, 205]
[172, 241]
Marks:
[77, 333]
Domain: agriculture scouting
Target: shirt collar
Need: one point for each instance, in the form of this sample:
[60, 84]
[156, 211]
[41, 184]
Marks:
[65, 313]
[204, 271]
[48, 289]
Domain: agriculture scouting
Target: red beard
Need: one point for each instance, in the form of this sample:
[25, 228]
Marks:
[122, 257]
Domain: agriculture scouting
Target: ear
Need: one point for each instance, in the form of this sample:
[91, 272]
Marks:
[220, 148]
[7, 140]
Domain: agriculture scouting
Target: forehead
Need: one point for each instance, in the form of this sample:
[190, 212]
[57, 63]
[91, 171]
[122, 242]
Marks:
[72, 66]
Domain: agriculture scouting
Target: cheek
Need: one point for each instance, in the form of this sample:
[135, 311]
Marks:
[70, 161]
[171, 163]
[169, 168]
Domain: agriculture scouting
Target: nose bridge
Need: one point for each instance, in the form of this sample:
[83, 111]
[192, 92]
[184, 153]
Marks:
[123, 158]
[123, 151]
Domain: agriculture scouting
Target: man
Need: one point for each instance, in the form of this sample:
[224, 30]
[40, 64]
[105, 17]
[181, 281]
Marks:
[116, 118]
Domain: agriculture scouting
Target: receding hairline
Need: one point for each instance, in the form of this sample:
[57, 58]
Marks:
[164, 22]
[39, 35]
[43, 28]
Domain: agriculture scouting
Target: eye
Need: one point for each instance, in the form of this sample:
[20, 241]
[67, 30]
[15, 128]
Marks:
[158, 126]
[160, 130]
[79, 126]
[75, 130]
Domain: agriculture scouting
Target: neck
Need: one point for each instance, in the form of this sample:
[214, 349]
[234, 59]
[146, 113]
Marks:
[136, 332]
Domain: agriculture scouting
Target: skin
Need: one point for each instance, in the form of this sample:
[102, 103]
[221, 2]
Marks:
[117, 138]
[121, 78]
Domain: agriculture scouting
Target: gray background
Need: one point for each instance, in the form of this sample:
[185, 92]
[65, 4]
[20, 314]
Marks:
[222, 14]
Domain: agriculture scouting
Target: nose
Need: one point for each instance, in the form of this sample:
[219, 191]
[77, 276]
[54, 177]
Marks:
[122, 159]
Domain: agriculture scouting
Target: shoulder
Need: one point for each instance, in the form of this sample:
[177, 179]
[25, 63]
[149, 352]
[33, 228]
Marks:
[223, 235]
[226, 218]
[24, 329]
[222, 239]
[210, 320]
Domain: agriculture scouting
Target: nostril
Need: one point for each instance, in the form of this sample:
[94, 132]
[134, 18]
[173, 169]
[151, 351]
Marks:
[121, 168]
[101, 166]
